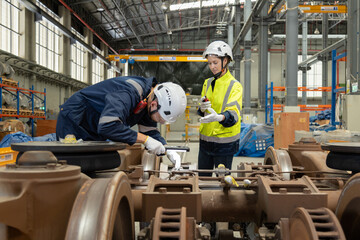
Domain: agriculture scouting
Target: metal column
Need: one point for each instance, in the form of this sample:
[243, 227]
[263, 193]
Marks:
[291, 52]
[231, 35]
[353, 61]
[263, 54]
[304, 56]
[325, 31]
[237, 57]
[247, 61]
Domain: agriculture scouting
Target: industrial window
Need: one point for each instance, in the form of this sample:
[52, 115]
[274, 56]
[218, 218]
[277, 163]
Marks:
[313, 79]
[97, 66]
[9, 26]
[47, 41]
[77, 58]
[111, 71]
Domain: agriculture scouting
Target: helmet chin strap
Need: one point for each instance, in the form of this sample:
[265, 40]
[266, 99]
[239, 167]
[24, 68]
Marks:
[153, 112]
[156, 110]
[217, 75]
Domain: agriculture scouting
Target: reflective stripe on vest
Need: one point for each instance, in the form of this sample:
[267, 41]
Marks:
[226, 98]
[215, 131]
[143, 128]
[136, 85]
[209, 84]
[107, 119]
[220, 140]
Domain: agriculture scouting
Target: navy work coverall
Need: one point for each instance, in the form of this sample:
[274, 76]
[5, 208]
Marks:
[106, 111]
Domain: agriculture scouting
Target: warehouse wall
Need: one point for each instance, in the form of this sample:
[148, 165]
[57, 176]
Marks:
[58, 93]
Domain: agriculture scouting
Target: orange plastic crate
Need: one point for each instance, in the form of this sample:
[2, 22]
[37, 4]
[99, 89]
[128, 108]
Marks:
[7, 155]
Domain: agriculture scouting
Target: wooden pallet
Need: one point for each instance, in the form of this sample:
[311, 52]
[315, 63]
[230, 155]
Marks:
[26, 112]
[9, 82]
[11, 111]
[39, 113]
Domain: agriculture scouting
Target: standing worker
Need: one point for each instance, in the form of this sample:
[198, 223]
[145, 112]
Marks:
[107, 110]
[220, 107]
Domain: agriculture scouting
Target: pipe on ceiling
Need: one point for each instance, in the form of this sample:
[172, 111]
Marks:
[92, 30]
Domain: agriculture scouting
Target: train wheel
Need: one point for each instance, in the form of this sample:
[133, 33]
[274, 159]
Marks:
[279, 158]
[348, 208]
[103, 210]
[314, 224]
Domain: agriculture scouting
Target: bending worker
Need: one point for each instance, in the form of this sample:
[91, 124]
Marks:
[108, 110]
[220, 107]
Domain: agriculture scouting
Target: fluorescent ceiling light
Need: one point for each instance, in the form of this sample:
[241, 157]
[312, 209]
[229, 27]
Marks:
[208, 3]
[164, 6]
[312, 36]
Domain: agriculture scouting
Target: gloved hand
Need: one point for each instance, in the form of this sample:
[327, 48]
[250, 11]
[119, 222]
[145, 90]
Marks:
[154, 146]
[212, 117]
[175, 158]
[230, 181]
[204, 105]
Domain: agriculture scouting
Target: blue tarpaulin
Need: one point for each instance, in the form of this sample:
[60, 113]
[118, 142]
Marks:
[255, 139]
[326, 114]
[19, 137]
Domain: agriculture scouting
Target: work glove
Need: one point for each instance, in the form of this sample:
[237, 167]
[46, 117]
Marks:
[175, 158]
[212, 117]
[154, 146]
[230, 181]
[204, 105]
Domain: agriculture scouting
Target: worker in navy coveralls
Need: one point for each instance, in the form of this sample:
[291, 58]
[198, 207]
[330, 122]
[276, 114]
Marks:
[107, 111]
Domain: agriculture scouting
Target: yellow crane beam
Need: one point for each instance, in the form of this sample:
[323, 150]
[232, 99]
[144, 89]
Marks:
[323, 8]
[158, 58]
[320, 8]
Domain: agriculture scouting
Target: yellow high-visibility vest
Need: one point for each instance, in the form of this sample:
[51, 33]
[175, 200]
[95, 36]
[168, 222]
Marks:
[227, 96]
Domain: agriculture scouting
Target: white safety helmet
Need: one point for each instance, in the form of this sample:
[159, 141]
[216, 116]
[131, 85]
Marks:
[171, 99]
[218, 48]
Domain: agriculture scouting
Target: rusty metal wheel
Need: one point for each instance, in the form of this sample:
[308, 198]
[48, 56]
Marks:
[314, 224]
[281, 160]
[348, 208]
[103, 210]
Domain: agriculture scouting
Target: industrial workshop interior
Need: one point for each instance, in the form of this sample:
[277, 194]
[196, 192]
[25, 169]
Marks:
[179, 119]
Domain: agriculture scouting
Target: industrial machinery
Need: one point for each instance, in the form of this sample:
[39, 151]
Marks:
[292, 195]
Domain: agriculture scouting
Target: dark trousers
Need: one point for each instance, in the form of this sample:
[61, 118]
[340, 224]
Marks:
[207, 160]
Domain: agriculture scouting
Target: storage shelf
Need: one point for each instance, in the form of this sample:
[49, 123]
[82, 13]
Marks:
[13, 88]
[334, 90]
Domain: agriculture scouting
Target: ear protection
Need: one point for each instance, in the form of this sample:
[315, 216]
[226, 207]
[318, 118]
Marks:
[140, 106]
[143, 103]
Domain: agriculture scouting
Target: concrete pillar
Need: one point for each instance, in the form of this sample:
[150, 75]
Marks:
[291, 52]
[28, 39]
[325, 31]
[67, 93]
[121, 67]
[88, 57]
[263, 55]
[105, 52]
[28, 35]
[247, 61]
[65, 47]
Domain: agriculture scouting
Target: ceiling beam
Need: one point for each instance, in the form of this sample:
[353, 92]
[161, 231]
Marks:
[127, 22]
